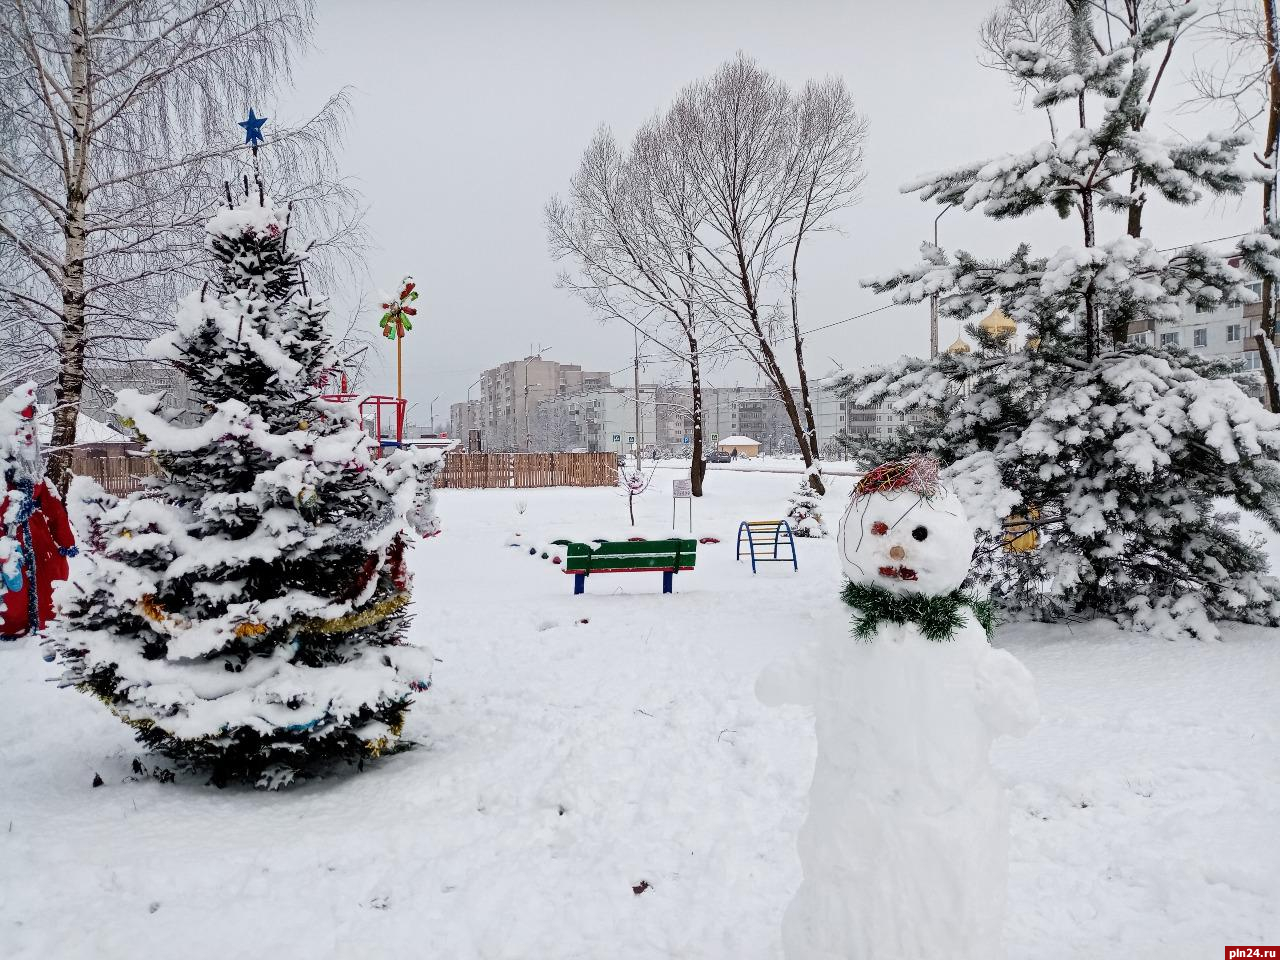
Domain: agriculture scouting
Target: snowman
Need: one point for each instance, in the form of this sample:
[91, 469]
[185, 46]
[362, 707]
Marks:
[905, 849]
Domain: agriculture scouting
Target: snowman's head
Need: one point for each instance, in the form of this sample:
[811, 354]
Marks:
[905, 532]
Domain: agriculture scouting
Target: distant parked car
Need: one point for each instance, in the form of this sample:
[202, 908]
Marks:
[719, 456]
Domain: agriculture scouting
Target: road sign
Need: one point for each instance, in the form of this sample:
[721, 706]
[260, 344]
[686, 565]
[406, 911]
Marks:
[681, 490]
[715, 436]
[686, 439]
[617, 438]
[631, 439]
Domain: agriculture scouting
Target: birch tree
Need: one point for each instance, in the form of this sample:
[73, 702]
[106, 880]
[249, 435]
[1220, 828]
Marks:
[769, 167]
[704, 222]
[628, 227]
[119, 121]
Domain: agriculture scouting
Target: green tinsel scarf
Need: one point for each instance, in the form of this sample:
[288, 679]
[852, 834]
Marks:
[937, 617]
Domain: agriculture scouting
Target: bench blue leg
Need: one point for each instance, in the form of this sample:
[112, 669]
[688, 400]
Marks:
[666, 580]
[579, 583]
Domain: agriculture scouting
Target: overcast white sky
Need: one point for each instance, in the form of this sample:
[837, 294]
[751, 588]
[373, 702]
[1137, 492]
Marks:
[469, 115]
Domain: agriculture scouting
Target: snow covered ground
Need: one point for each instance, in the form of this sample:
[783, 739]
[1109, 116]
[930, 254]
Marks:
[575, 749]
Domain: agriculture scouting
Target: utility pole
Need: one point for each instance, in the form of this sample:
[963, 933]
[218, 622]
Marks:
[637, 373]
[933, 298]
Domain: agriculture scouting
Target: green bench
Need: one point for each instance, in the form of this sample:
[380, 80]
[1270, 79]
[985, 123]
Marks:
[667, 557]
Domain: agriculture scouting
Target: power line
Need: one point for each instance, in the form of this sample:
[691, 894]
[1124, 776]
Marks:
[859, 316]
[836, 323]
[1195, 243]
[889, 306]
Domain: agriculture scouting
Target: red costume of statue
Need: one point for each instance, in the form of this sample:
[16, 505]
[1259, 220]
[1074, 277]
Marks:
[33, 523]
[46, 540]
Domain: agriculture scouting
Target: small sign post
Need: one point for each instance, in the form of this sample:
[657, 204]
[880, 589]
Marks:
[681, 490]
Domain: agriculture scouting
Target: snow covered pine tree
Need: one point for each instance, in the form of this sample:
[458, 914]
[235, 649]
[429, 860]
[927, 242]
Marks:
[805, 514]
[1118, 455]
[246, 615]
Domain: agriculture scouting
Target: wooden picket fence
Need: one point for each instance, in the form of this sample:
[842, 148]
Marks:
[118, 475]
[529, 470]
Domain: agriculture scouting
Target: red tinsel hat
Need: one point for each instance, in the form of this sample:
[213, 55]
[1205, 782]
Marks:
[917, 474]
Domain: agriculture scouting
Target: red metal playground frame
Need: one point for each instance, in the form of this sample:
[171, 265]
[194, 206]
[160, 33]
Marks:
[373, 408]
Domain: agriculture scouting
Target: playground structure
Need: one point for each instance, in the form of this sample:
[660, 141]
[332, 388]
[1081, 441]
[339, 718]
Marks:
[377, 410]
[381, 414]
[764, 541]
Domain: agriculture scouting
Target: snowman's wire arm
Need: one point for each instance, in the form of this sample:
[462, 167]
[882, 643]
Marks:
[862, 524]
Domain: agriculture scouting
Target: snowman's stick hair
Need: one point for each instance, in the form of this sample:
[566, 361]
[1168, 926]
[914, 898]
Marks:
[844, 524]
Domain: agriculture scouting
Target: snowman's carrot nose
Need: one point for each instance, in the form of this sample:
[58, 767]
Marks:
[896, 552]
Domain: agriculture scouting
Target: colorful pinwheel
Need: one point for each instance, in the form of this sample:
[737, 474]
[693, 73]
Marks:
[395, 321]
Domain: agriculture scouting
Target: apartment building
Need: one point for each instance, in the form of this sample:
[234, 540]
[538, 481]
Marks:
[511, 395]
[102, 383]
[1209, 331]
[463, 418]
[605, 419]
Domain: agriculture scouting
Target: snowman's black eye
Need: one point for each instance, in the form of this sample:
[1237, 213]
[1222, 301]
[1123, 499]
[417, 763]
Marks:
[920, 533]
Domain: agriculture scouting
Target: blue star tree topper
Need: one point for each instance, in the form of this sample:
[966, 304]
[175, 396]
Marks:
[253, 128]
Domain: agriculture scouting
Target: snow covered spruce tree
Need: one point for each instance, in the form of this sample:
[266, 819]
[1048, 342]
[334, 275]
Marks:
[246, 615]
[1112, 459]
[805, 513]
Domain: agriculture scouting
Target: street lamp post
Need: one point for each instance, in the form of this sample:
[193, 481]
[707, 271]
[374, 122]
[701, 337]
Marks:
[538, 355]
[528, 440]
[471, 418]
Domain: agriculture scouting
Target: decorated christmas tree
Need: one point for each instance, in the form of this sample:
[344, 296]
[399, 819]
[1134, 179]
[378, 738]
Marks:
[805, 513]
[247, 614]
[1097, 469]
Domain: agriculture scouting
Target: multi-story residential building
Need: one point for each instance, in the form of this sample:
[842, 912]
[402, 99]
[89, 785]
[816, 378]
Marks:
[510, 395]
[1209, 332]
[463, 418]
[836, 415]
[599, 420]
[102, 383]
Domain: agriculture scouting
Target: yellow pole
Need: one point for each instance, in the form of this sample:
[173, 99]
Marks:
[399, 383]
